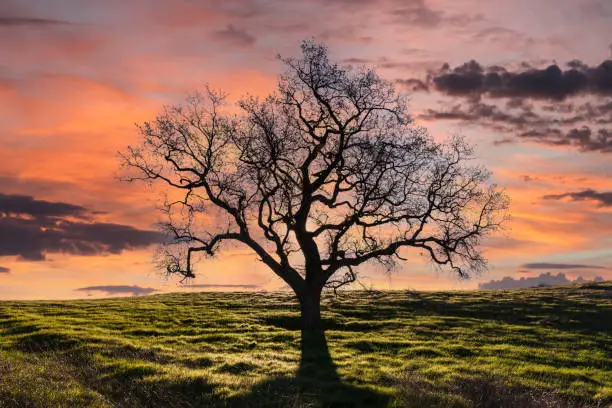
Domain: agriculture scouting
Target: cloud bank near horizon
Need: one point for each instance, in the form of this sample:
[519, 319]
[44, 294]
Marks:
[544, 279]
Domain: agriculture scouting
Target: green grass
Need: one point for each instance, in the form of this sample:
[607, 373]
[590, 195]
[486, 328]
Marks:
[544, 347]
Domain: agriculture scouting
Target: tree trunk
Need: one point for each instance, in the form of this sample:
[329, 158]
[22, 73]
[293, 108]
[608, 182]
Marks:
[310, 305]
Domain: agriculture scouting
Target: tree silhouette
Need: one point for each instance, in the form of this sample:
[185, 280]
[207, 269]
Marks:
[318, 178]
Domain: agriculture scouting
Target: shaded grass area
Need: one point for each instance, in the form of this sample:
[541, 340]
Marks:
[544, 347]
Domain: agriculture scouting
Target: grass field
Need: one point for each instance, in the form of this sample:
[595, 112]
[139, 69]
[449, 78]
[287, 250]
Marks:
[544, 347]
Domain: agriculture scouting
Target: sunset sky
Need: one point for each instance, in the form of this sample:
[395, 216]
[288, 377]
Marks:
[528, 81]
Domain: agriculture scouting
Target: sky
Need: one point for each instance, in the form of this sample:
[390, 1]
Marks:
[529, 82]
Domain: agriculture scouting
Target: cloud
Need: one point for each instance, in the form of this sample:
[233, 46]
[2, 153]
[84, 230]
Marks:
[419, 60]
[235, 36]
[4, 269]
[222, 286]
[548, 265]
[553, 82]
[32, 239]
[46, 39]
[27, 205]
[15, 185]
[505, 37]
[545, 279]
[556, 125]
[528, 116]
[486, 115]
[31, 228]
[360, 61]
[603, 198]
[413, 85]
[584, 139]
[417, 13]
[118, 289]
[28, 21]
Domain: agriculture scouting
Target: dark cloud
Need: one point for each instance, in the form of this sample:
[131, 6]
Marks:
[549, 265]
[600, 114]
[28, 21]
[4, 269]
[527, 104]
[584, 139]
[235, 36]
[545, 279]
[31, 239]
[501, 142]
[526, 117]
[358, 61]
[118, 290]
[550, 125]
[222, 286]
[553, 82]
[488, 115]
[413, 85]
[603, 198]
[31, 228]
[27, 205]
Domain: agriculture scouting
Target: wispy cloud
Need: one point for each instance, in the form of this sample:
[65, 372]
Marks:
[550, 265]
[29, 21]
[603, 198]
[135, 290]
[235, 36]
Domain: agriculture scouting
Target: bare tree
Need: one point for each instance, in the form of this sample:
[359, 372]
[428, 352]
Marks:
[318, 178]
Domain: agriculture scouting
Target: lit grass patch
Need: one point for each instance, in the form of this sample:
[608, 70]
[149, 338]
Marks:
[545, 347]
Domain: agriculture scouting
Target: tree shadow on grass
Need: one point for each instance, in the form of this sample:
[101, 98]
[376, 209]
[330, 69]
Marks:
[316, 383]
[130, 379]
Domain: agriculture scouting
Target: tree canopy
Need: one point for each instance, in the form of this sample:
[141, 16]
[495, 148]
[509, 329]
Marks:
[325, 174]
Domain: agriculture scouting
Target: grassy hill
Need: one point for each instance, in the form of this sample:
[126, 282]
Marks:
[544, 347]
